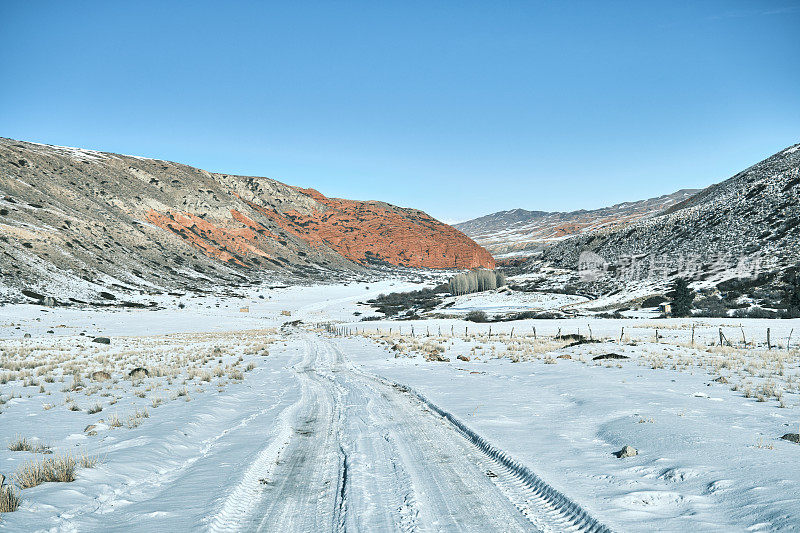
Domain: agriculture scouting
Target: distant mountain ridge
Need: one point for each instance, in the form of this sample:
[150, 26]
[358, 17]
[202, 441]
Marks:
[521, 232]
[84, 221]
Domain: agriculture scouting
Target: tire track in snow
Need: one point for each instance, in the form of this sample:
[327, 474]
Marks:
[307, 489]
[411, 473]
[546, 507]
[248, 493]
[242, 502]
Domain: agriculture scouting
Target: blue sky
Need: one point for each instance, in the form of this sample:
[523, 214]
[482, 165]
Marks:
[457, 108]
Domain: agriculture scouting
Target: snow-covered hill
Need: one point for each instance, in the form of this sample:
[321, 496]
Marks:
[77, 223]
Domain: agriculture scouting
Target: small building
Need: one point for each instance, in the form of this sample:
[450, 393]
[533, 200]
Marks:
[244, 309]
[665, 308]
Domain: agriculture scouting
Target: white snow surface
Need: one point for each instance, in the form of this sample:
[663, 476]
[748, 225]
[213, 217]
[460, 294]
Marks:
[317, 437]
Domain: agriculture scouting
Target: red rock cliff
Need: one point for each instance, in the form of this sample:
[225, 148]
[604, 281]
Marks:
[406, 237]
[364, 232]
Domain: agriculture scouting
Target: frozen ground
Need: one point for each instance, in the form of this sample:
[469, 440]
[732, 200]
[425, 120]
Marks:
[248, 423]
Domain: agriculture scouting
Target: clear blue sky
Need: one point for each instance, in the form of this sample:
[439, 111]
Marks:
[456, 108]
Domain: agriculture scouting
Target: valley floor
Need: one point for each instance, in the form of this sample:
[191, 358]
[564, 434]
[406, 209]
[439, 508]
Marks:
[246, 421]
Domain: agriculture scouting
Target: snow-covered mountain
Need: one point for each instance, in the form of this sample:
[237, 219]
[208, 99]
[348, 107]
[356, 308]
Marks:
[521, 232]
[747, 224]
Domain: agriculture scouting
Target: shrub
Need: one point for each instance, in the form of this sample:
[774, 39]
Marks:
[395, 303]
[712, 307]
[476, 316]
[755, 312]
[654, 301]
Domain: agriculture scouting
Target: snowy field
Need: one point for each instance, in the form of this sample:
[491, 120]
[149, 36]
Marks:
[247, 420]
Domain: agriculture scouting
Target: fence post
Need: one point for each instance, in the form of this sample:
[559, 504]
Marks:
[769, 343]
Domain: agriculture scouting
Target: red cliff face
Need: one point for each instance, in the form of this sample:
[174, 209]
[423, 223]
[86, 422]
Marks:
[363, 232]
[407, 237]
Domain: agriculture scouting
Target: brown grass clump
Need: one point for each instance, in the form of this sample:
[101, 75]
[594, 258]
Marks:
[40, 470]
[22, 444]
[88, 461]
[9, 500]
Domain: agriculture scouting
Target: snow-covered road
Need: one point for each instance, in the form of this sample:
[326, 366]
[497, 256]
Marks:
[363, 454]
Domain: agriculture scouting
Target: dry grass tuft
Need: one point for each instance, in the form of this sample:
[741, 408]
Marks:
[88, 461]
[40, 470]
[22, 444]
[9, 500]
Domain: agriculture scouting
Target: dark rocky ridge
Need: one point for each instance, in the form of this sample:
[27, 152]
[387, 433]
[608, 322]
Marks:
[751, 219]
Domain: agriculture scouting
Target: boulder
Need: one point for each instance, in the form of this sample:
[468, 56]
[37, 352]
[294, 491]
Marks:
[462, 358]
[100, 375]
[102, 340]
[626, 451]
[564, 356]
[792, 437]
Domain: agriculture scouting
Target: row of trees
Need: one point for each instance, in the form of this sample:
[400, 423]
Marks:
[476, 281]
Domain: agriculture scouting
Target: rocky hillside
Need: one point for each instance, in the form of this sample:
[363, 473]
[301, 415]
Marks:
[521, 232]
[88, 222]
[747, 224]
